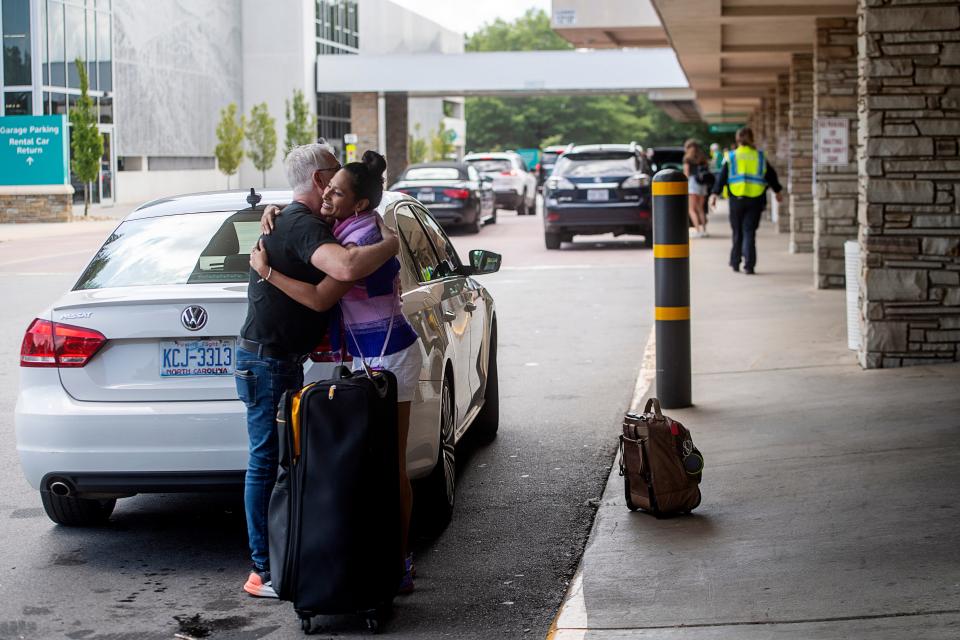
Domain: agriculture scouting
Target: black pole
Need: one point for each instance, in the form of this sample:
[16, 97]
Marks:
[671, 260]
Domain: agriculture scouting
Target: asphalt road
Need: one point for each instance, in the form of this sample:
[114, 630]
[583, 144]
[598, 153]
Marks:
[573, 324]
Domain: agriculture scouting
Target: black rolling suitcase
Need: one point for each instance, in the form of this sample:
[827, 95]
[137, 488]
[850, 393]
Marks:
[334, 520]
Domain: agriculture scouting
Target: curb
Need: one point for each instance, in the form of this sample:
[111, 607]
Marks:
[572, 621]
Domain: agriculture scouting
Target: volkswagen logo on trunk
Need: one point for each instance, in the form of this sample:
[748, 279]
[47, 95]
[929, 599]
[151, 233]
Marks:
[194, 317]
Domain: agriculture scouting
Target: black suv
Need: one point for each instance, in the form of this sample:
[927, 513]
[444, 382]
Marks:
[602, 188]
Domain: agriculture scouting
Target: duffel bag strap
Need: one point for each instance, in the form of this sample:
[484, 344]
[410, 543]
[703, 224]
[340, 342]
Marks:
[621, 456]
[653, 402]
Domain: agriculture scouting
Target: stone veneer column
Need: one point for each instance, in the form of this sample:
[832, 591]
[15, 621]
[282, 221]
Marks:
[363, 120]
[782, 126]
[909, 196]
[835, 96]
[397, 133]
[800, 169]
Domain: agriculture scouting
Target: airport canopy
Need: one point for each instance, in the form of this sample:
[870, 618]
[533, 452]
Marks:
[649, 71]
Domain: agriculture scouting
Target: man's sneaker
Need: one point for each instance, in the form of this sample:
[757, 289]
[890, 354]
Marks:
[259, 584]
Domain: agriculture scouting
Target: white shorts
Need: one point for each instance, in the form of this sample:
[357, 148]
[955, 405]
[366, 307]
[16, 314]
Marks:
[694, 188]
[405, 365]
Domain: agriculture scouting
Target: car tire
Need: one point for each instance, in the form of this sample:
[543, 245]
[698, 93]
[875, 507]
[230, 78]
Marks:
[522, 205]
[488, 420]
[493, 217]
[436, 494]
[648, 240]
[71, 511]
[474, 227]
[552, 240]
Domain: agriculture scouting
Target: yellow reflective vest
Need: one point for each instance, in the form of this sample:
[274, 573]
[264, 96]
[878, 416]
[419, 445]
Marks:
[746, 168]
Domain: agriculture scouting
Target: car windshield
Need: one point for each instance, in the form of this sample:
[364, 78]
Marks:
[178, 249]
[549, 157]
[491, 165]
[582, 166]
[432, 173]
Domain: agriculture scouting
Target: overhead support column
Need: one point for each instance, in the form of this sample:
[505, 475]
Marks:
[364, 120]
[835, 97]
[909, 197]
[395, 142]
[800, 169]
[782, 126]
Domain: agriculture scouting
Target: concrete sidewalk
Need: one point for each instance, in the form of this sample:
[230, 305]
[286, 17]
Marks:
[100, 219]
[831, 495]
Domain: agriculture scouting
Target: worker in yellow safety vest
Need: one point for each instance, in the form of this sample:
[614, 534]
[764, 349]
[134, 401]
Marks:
[747, 174]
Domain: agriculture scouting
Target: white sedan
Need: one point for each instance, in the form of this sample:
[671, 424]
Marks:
[127, 381]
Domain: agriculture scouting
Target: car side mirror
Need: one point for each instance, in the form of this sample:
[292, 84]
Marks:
[482, 261]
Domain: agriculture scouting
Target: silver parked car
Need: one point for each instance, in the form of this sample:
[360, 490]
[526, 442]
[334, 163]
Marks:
[514, 187]
[127, 380]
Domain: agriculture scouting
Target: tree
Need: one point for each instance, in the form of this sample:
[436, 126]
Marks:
[86, 142]
[262, 135]
[229, 149]
[416, 147]
[511, 123]
[301, 123]
[440, 145]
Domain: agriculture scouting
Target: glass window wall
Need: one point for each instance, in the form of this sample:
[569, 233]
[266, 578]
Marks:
[337, 27]
[18, 103]
[16, 43]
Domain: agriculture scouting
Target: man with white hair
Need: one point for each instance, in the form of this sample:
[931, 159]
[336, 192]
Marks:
[279, 332]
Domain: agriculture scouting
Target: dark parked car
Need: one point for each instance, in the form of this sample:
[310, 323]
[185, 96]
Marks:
[598, 189]
[454, 192]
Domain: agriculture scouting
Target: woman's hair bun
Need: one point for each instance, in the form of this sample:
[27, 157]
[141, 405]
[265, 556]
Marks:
[374, 161]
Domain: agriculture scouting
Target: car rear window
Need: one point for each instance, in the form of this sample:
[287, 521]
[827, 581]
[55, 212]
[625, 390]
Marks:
[432, 173]
[491, 165]
[595, 165]
[549, 157]
[179, 249]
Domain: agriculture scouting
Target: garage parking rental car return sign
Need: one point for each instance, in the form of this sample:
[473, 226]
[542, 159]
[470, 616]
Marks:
[33, 150]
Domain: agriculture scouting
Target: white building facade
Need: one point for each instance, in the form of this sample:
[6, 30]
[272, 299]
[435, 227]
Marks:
[161, 71]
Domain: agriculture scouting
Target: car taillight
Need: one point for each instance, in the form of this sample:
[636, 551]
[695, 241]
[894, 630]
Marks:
[553, 217]
[512, 172]
[457, 194]
[324, 352]
[51, 344]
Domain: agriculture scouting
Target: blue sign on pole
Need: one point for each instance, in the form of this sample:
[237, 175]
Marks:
[34, 150]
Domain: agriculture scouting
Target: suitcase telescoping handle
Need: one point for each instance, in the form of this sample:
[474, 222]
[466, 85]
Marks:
[653, 402]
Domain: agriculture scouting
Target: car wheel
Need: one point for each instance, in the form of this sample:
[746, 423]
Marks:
[552, 240]
[493, 217]
[76, 512]
[474, 227]
[436, 495]
[522, 205]
[488, 420]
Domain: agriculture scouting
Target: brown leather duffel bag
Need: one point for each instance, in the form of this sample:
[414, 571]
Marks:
[661, 467]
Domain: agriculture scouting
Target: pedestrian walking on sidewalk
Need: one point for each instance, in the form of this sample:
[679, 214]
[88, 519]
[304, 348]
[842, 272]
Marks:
[697, 170]
[747, 174]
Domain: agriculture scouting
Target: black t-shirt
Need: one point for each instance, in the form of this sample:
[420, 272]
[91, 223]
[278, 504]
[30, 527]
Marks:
[274, 319]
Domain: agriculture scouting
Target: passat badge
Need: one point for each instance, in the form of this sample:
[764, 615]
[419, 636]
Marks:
[194, 317]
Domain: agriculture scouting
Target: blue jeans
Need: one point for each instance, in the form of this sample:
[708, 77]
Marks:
[261, 382]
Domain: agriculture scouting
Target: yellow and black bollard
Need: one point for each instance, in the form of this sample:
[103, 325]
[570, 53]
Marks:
[671, 272]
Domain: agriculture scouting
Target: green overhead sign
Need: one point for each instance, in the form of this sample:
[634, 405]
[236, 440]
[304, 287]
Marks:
[724, 127]
[34, 150]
